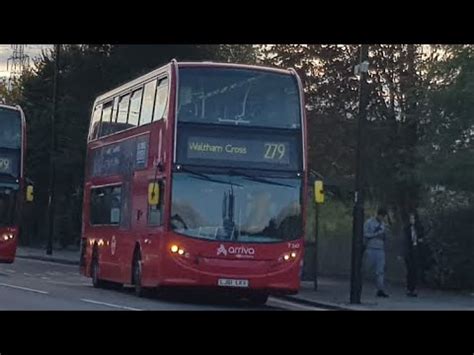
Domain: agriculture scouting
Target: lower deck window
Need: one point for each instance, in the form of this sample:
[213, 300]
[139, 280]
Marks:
[105, 205]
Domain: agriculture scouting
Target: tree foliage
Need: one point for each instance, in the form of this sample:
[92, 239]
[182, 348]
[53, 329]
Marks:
[449, 120]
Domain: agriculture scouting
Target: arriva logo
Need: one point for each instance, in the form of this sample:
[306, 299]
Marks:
[238, 251]
[221, 250]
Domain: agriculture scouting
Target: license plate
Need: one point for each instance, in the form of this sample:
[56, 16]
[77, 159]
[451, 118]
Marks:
[233, 283]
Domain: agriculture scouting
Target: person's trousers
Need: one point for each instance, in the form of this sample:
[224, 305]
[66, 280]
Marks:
[412, 272]
[376, 262]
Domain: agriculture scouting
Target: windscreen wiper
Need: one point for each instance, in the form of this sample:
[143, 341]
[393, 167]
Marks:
[257, 179]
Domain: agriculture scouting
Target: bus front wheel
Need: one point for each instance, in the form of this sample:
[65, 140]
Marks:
[96, 282]
[140, 291]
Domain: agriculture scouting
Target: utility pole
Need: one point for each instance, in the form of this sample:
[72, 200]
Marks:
[318, 191]
[17, 63]
[52, 155]
[358, 212]
[316, 247]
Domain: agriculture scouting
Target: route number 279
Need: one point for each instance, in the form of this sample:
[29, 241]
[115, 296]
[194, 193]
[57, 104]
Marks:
[274, 151]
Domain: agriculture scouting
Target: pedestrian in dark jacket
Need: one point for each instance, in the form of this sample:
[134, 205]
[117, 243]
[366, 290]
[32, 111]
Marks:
[413, 239]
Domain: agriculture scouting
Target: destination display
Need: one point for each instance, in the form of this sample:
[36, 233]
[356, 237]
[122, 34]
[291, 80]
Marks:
[239, 148]
[9, 162]
[255, 151]
[5, 165]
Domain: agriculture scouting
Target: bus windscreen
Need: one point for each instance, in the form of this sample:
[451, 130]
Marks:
[10, 142]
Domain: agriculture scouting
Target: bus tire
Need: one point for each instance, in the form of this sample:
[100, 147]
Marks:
[96, 282]
[140, 291]
[258, 299]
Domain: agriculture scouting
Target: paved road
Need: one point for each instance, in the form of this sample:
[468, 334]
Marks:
[39, 285]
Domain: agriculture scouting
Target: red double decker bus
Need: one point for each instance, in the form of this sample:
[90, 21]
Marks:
[12, 185]
[195, 177]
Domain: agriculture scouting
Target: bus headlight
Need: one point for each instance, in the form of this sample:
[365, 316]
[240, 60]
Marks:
[7, 236]
[175, 249]
[289, 256]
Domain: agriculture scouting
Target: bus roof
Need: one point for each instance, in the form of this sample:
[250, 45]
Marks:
[15, 108]
[130, 84]
[233, 65]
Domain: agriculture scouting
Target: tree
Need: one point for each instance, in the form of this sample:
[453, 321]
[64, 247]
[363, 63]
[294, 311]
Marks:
[10, 93]
[391, 133]
[449, 120]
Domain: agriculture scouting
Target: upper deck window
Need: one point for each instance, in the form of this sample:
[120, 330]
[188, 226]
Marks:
[123, 109]
[244, 97]
[95, 125]
[135, 104]
[106, 127]
[148, 101]
[161, 100]
[10, 129]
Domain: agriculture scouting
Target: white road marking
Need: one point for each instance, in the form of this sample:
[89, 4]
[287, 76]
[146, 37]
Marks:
[64, 283]
[24, 288]
[110, 305]
[295, 305]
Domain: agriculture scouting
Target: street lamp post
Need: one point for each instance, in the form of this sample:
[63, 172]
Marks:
[49, 247]
[358, 212]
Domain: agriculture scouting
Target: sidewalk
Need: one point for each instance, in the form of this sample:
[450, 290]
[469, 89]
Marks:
[334, 293]
[70, 257]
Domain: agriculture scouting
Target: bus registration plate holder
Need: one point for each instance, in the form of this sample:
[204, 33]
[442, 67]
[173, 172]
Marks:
[233, 283]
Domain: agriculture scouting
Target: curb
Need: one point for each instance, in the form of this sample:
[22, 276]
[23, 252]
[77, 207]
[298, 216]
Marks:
[327, 305]
[50, 259]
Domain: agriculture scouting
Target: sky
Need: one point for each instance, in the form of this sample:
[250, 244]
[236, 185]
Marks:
[33, 50]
